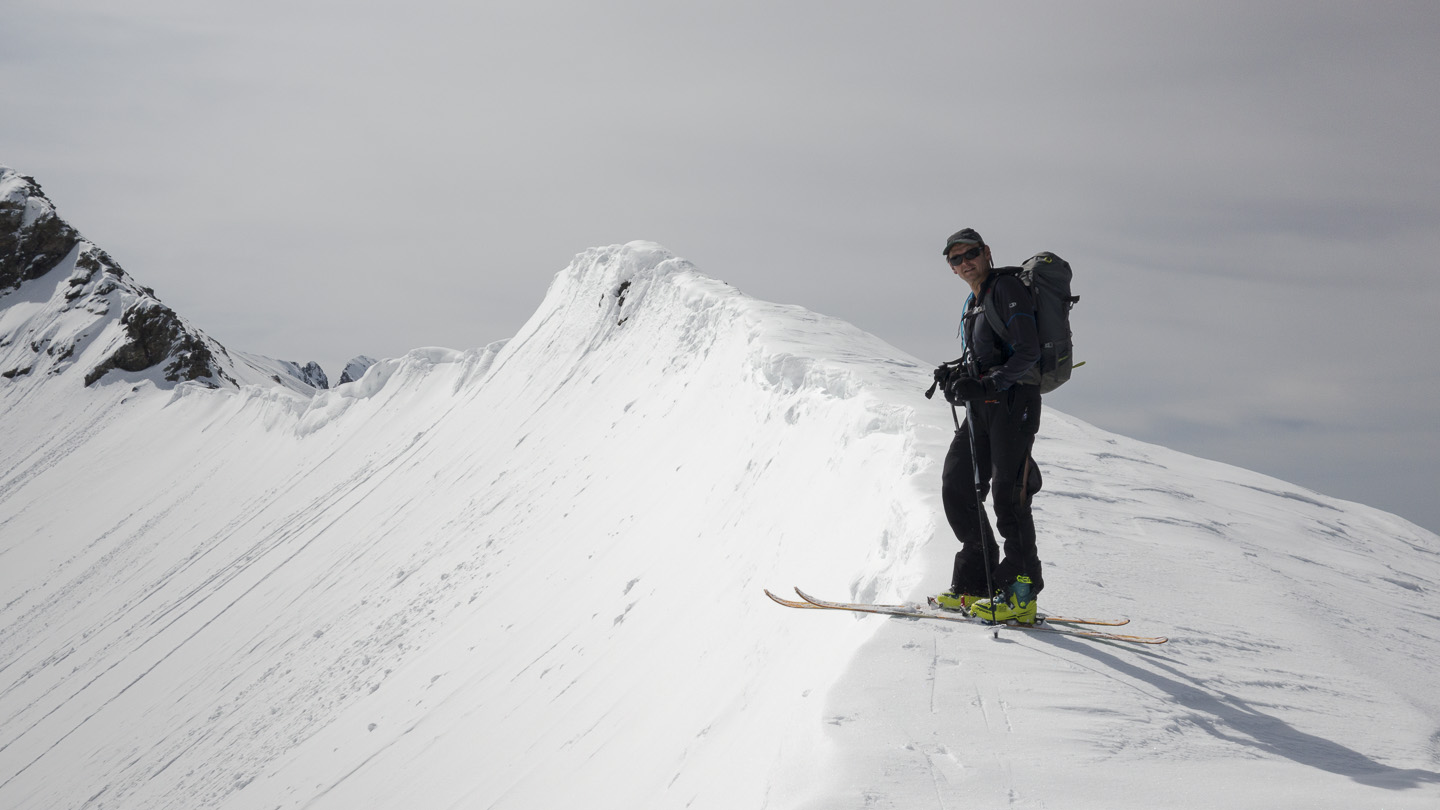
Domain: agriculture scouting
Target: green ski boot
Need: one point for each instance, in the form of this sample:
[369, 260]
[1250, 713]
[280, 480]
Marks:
[959, 602]
[1015, 604]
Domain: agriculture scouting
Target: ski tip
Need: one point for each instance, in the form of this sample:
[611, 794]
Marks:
[780, 600]
[775, 598]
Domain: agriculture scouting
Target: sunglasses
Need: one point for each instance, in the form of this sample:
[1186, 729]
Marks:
[960, 258]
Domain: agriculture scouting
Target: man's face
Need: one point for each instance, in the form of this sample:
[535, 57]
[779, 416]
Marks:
[969, 262]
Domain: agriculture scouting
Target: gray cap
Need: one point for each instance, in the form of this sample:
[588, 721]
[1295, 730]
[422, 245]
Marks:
[966, 236]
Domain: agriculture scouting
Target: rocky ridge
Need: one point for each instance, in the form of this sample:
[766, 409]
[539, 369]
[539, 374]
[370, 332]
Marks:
[67, 307]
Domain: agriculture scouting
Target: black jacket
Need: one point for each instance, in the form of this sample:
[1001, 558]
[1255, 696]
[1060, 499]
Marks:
[1006, 363]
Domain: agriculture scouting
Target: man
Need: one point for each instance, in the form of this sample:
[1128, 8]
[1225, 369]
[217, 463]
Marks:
[998, 382]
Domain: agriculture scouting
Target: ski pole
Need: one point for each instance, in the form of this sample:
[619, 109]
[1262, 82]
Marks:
[979, 499]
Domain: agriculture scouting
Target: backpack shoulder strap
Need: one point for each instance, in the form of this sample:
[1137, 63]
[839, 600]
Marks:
[992, 317]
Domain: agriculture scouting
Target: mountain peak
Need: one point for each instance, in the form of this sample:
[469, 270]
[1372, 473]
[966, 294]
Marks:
[356, 368]
[33, 240]
[67, 306]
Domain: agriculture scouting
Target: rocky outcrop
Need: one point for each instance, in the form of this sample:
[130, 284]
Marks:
[155, 335]
[33, 241]
[288, 372]
[66, 305]
[355, 369]
[314, 375]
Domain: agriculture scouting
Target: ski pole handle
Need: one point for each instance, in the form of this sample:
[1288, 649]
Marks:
[943, 373]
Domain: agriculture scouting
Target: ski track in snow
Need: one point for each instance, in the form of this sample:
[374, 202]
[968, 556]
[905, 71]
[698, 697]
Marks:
[529, 575]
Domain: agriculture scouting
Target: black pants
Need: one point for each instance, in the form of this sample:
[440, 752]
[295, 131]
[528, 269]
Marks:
[1004, 435]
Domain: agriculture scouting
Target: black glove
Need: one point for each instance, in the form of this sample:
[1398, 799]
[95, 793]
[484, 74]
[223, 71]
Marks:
[943, 375]
[961, 389]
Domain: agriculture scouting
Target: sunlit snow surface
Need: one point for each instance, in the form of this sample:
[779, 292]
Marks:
[529, 576]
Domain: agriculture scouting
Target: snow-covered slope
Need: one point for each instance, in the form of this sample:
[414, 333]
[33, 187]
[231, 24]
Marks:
[530, 575]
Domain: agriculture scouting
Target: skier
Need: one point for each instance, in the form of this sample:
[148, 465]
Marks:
[997, 382]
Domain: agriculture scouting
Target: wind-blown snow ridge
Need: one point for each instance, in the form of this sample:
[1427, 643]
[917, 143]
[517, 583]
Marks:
[529, 575]
[513, 531]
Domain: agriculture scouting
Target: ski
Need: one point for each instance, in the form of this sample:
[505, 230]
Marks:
[792, 603]
[933, 611]
[1046, 624]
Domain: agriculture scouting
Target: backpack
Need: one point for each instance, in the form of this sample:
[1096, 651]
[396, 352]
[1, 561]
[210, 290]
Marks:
[1048, 277]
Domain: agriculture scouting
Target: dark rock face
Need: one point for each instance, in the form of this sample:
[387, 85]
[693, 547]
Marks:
[314, 375]
[29, 252]
[33, 242]
[155, 334]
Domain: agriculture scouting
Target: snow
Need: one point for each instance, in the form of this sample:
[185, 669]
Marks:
[530, 575]
[301, 378]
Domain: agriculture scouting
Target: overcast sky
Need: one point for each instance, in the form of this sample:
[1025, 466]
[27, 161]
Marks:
[1249, 192]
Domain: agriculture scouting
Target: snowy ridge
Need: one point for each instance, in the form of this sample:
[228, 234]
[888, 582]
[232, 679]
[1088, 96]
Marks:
[311, 374]
[477, 547]
[529, 575]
